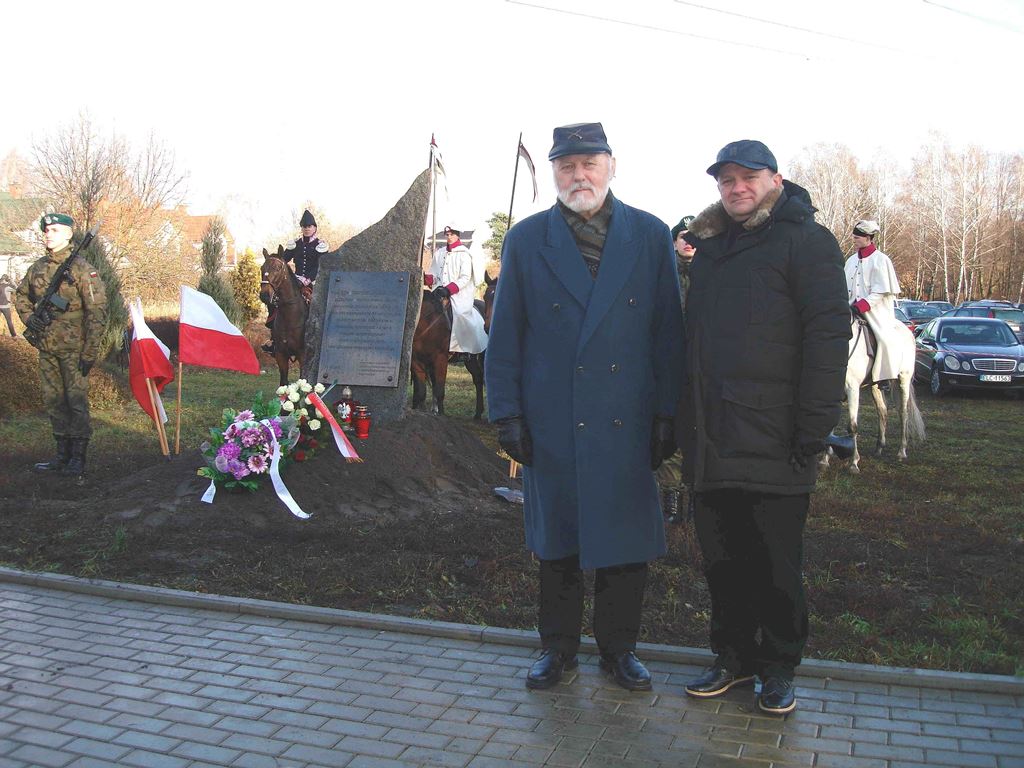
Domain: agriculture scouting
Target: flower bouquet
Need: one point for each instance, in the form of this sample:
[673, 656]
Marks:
[295, 401]
[239, 452]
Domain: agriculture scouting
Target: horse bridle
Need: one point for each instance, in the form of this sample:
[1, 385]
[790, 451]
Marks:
[275, 300]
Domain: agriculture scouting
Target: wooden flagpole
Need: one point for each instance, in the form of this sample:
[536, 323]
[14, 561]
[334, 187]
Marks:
[156, 418]
[177, 427]
[515, 175]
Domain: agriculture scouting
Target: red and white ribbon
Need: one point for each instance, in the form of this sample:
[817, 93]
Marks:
[344, 446]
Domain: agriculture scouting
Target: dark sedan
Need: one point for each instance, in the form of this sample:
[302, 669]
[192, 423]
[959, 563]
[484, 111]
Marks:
[920, 314]
[969, 352]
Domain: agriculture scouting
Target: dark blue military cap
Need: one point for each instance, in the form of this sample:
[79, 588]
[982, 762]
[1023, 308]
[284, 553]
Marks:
[746, 152]
[579, 139]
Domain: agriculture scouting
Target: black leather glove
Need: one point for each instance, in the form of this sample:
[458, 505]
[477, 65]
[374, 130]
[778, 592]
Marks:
[84, 366]
[515, 440]
[804, 452]
[663, 440]
[442, 292]
[36, 324]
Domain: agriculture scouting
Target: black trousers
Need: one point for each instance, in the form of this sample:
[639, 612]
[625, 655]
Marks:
[618, 602]
[752, 545]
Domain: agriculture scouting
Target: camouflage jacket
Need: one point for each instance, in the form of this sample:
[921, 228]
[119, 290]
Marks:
[80, 329]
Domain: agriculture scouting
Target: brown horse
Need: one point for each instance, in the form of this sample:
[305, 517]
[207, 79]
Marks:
[430, 357]
[279, 286]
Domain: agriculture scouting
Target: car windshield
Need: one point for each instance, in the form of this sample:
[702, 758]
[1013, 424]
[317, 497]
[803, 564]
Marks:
[922, 311]
[966, 333]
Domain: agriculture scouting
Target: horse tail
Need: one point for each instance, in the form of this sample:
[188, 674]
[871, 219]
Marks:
[915, 421]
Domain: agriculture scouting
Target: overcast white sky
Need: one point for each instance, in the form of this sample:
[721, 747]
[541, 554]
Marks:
[269, 104]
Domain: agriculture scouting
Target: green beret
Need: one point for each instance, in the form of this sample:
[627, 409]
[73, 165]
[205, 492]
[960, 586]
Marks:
[55, 218]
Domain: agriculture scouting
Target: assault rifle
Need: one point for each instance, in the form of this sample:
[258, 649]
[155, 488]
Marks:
[52, 302]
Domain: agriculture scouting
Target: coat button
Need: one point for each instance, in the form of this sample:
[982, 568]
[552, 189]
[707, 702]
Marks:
[617, 422]
[581, 425]
[556, 307]
[579, 369]
[632, 302]
[614, 368]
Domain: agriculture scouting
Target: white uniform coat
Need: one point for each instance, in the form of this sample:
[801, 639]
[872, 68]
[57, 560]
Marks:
[874, 279]
[456, 266]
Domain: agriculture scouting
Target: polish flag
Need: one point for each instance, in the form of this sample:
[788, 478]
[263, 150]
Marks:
[206, 337]
[148, 358]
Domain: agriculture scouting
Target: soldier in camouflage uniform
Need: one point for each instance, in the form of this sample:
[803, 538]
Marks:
[68, 346]
[669, 473]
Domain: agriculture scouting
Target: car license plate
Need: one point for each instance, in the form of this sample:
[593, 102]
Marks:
[996, 377]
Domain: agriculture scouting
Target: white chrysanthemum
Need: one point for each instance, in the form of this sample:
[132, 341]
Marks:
[319, 388]
[293, 396]
[303, 412]
[314, 424]
[305, 386]
[288, 406]
[282, 390]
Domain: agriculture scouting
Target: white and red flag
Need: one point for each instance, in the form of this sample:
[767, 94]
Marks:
[149, 358]
[206, 337]
[529, 164]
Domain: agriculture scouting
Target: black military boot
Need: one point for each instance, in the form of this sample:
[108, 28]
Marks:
[670, 505]
[57, 463]
[76, 464]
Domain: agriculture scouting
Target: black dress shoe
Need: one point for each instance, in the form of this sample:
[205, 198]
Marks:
[547, 670]
[628, 670]
[716, 680]
[778, 696]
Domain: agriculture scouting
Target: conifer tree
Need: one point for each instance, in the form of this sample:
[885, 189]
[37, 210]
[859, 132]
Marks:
[212, 281]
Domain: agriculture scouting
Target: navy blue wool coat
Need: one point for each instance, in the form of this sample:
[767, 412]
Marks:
[588, 364]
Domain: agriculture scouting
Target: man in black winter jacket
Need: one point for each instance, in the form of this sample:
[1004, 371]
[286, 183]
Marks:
[767, 328]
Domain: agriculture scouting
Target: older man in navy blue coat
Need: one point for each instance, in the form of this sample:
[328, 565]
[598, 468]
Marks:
[583, 361]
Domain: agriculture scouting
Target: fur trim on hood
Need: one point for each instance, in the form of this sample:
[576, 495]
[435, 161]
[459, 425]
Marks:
[713, 220]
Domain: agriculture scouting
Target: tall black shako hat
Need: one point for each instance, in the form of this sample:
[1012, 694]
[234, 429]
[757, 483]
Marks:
[579, 139]
[307, 219]
[746, 152]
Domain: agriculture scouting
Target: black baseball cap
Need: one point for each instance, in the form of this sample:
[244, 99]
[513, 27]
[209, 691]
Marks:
[746, 152]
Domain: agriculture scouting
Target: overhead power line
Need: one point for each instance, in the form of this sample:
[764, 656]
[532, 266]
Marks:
[655, 28]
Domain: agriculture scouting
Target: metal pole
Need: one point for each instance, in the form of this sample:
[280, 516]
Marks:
[515, 175]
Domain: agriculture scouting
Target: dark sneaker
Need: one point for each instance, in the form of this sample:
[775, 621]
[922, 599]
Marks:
[778, 696]
[547, 670]
[628, 670]
[716, 680]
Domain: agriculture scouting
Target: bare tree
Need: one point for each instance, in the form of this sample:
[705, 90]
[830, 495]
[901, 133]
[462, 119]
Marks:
[92, 176]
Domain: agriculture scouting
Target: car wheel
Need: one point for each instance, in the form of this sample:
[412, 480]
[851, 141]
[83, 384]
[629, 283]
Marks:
[937, 385]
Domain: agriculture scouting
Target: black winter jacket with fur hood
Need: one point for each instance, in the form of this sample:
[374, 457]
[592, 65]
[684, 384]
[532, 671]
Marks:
[768, 326]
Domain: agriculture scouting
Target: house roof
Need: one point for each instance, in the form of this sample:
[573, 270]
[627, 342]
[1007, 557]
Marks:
[19, 213]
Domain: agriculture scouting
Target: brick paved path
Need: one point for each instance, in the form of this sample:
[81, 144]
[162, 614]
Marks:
[99, 680]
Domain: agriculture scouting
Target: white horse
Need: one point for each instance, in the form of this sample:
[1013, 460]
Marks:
[858, 375]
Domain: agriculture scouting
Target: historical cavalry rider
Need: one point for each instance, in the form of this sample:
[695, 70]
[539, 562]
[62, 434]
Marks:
[69, 346]
[873, 287]
[304, 253]
[451, 277]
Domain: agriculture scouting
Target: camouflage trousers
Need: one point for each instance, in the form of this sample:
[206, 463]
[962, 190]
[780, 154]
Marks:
[65, 394]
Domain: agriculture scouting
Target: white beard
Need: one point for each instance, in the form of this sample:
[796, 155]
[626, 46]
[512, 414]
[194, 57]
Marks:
[583, 204]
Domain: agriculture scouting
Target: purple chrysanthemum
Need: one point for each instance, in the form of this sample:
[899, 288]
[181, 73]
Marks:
[245, 415]
[237, 469]
[251, 437]
[230, 450]
[231, 432]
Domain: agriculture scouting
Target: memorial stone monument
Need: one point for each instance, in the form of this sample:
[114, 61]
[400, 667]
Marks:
[366, 303]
